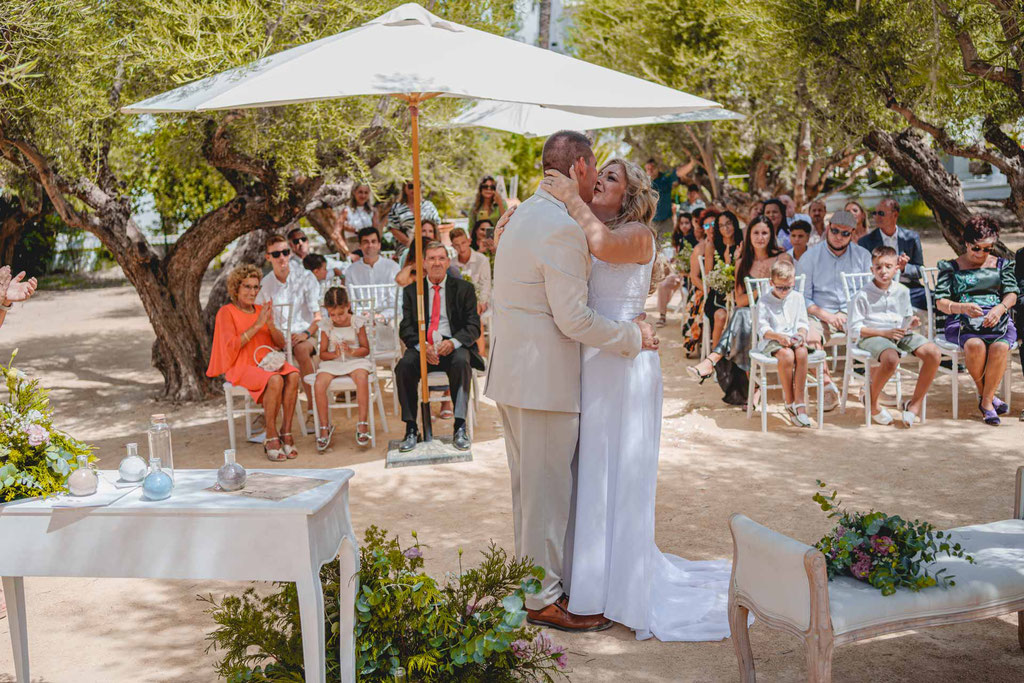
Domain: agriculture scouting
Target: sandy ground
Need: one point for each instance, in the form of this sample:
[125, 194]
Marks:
[92, 348]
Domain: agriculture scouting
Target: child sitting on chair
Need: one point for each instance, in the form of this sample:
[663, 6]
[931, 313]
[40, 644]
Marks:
[782, 325]
[344, 351]
[881, 318]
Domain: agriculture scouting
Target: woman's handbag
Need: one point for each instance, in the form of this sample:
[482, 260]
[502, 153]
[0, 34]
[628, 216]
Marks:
[273, 361]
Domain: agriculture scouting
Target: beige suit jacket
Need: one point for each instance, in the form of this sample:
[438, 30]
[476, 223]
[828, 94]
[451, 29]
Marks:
[540, 311]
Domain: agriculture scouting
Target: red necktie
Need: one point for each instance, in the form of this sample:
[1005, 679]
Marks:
[435, 314]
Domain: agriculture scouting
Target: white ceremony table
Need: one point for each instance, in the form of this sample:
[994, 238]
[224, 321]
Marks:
[194, 534]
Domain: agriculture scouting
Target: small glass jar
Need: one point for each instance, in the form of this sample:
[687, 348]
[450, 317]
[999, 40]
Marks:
[83, 481]
[157, 485]
[231, 475]
[132, 468]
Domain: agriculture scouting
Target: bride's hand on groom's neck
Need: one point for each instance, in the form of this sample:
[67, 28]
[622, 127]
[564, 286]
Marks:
[561, 187]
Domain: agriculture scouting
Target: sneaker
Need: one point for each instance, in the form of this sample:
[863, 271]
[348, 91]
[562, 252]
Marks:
[831, 397]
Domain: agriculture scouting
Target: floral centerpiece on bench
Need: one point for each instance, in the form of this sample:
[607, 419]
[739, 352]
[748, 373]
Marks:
[886, 551]
[35, 458]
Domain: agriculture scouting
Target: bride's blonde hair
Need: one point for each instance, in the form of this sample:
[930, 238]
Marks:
[639, 203]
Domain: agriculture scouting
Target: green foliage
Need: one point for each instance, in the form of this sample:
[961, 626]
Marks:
[469, 629]
[35, 457]
[884, 550]
[723, 276]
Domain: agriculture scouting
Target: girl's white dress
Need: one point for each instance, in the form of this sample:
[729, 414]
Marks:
[341, 365]
[616, 567]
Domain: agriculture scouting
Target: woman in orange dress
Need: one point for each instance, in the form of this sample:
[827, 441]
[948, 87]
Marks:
[240, 329]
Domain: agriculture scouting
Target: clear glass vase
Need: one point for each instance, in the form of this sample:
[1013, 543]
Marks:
[160, 443]
[132, 468]
[83, 481]
[231, 475]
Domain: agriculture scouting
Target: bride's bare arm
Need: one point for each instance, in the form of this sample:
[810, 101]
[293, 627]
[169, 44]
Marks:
[630, 243]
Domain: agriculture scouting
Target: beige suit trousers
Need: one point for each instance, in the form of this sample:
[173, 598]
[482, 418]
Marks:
[541, 445]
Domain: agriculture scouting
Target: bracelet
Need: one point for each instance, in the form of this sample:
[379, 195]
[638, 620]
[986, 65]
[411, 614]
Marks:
[6, 306]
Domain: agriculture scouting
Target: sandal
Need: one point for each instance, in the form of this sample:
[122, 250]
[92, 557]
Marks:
[989, 416]
[362, 435]
[693, 372]
[799, 419]
[274, 454]
[323, 442]
[1000, 406]
[288, 448]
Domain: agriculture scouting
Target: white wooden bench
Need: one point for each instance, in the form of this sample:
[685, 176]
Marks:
[784, 583]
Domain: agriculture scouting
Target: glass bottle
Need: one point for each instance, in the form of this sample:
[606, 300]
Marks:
[133, 467]
[231, 475]
[158, 484]
[160, 443]
[83, 481]
[398, 674]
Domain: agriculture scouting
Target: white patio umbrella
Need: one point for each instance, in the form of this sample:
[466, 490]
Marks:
[415, 55]
[532, 121]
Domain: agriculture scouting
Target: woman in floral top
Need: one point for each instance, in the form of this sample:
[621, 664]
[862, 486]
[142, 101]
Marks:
[977, 291]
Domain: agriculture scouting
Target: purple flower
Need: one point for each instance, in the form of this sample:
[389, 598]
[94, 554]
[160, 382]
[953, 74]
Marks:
[562, 661]
[542, 643]
[882, 544]
[413, 553]
[862, 567]
[37, 435]
[521, 649]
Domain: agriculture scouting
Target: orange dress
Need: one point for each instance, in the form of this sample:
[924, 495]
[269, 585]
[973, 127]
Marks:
[238, 363]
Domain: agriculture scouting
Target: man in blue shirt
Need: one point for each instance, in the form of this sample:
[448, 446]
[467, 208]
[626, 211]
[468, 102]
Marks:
[823, 265]
[663, 183]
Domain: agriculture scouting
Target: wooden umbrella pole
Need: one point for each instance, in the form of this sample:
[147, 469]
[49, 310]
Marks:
[414, 101]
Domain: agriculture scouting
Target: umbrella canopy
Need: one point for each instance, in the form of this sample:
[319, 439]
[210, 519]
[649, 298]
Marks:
[533, 121]
[410, 50]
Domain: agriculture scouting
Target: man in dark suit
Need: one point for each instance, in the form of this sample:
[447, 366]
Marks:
[907, 244]
[453, 326]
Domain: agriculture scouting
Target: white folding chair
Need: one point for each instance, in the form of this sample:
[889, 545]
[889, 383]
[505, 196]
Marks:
[762, 363]
[249, 407]
[853, 283]
[437, 381]
[954, 352]
[384, 303]
[347, 386]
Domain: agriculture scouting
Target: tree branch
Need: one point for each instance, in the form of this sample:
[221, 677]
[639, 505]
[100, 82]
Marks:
[854, 174]
[232, 164]
[972, 61]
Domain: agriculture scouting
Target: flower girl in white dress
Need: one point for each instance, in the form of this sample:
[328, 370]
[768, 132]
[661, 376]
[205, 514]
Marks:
[344, 350]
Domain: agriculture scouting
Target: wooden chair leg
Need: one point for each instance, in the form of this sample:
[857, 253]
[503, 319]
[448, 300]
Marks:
[1020, 629]
[738, 617]
[819, 657]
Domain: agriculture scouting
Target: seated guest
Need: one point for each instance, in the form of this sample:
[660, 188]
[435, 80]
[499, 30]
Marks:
[977, 290]
[683, 232]
[854, 207]
[693, 322]
[799, 237]
[488, 204]
[357, 214]
[725, 239]
[449, 304]
[373, 269]
[907, 244]
[694, 200]
[817, 213]
[881, 320]
[474, 265]
[482, 238]
[759, 252]
[401, 221]
[782, 326]
[301, 249]
[14, 290]
[240, 329]
[775, 211]
[317, 265]
[823, 265]
[295, 286]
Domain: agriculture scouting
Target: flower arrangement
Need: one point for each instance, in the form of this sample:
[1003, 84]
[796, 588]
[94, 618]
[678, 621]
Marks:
[471, 628]
[722, 277]
[35, 458]
[886, 551]
[682, 260]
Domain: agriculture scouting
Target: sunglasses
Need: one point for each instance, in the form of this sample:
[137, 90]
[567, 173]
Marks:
[837, 231]
[978, 247]
[299, 240]
[783, 288]
[280, 253]
[488, 187]
[878, 213]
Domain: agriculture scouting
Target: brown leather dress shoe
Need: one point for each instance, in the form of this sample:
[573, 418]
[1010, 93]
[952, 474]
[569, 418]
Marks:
[558, 616]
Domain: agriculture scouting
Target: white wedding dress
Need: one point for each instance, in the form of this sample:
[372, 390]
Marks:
[616, 568]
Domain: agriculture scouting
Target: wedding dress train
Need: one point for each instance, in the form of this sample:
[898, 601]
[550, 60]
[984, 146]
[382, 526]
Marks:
[616, 567]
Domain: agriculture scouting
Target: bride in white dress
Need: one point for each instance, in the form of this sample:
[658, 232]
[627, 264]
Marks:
[616, 567]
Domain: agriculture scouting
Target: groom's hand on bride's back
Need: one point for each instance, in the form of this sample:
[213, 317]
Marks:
[650, 339]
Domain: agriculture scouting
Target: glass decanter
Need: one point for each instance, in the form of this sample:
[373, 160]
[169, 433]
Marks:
[157, 485]
[83, 481]
[160, 443]
[132, 468]
[231, 475]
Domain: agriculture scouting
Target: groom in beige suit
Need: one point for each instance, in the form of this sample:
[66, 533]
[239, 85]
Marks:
[540, 319]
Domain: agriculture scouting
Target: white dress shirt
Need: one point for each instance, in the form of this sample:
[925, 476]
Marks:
[444, 326]
[880, 309]
[301, 289]
[782, 316]
[815, 236]
[891, 240]
[382, 272]
[479, 270]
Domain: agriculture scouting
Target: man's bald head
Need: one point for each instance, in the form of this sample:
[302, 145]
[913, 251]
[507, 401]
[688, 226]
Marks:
[566, 149]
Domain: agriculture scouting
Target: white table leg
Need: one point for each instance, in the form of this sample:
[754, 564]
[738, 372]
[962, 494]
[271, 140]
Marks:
[14, 594]
[311, 618]
[348, 561]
